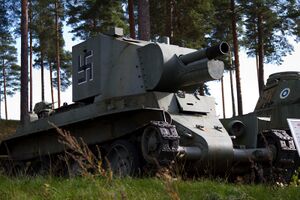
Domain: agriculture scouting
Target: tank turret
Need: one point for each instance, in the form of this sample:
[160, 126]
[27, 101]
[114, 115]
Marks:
[106, 67]
[280, 99]
[170, 68]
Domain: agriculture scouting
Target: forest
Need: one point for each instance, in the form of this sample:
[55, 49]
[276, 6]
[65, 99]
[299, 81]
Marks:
[261, 27]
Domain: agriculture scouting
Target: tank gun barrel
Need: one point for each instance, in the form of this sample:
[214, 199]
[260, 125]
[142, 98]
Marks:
[169, 68]
[209, 53]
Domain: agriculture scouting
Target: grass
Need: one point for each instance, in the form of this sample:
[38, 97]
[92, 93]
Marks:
[7, 128]
[104, 186]
[130, 188]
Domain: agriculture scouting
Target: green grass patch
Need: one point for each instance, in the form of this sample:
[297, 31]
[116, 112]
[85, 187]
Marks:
[130, 188]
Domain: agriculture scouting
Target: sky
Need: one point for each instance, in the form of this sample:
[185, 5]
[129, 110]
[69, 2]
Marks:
[249, 84]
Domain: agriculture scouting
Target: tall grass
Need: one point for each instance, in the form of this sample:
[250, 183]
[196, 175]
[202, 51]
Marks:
[167, 184]
[97, 183]
[130, 188]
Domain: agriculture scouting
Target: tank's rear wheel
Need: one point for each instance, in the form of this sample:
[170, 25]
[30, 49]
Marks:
[123, 158]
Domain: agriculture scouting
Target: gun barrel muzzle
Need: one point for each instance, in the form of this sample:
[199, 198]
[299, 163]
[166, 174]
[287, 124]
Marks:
[209, 53]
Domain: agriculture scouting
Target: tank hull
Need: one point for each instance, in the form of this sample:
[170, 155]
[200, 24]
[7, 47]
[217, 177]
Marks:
[203, 140]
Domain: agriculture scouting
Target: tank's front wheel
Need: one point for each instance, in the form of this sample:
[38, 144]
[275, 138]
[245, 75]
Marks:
[283, 150]
[123, 158]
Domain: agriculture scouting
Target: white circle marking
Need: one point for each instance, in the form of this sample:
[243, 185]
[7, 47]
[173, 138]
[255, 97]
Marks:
[285, 93]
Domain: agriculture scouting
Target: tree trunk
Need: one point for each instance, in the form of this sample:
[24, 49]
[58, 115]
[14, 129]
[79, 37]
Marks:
[24, 60]
[232, 94]
[223, 97]
[257, 69]
[0, 100]
[169, 18]
[4, 90]
[42, 76]
[51, 84]
[30, 55]
[57, 53]
[131, 18]
[260, 55]
[256, 62]
[236, 59]
[144, 20]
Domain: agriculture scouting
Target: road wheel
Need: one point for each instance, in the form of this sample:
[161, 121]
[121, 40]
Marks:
[123, 158]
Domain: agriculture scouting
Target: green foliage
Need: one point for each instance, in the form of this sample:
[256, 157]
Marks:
[192, 27]
[42, 26]
[91, 17]
[8, 56]
[66, 70]
[128, 188]
[190, 21]
[44, 32]
[221, 23]
[295, 180]
[13, 15]
[280, 19]
[158, 12]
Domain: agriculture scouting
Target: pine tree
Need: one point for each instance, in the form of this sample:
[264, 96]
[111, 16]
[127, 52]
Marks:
[49, 42]
[9, 70]
[186, 22]
[221, 31]
[157, 15]
[226, 23]
[144, 20]
[66, 70]
[24, 60]
[268, 25]
[89, 18]
[131, 18]
[42, 25]
[58, 13]
[63, 59]
[55, 46]
[30, 16]
[236, 55]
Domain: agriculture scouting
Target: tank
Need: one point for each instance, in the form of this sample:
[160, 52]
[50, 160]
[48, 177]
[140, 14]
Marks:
[138, 102]
[267, 126]
[280, 99]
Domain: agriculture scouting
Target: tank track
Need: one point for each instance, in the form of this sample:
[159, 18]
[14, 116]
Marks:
[284, 154]
[160, 142]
